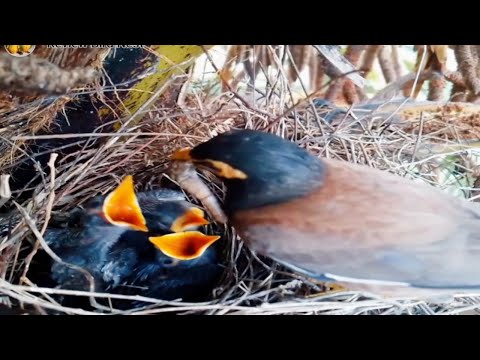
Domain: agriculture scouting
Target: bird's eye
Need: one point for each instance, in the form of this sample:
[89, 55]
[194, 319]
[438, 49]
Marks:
[167, 261]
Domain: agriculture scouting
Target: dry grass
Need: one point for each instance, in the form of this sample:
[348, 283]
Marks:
[251, 285]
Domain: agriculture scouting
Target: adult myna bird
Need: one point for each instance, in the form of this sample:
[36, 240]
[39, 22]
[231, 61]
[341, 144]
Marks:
[336, 221]
[129, 242]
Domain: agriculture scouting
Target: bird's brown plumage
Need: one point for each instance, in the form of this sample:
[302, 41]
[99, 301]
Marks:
[362, 216]
[351, 223]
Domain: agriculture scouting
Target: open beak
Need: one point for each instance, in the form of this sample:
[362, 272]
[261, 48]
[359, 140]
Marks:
[193, 217]
[186, 245]
[121, 207]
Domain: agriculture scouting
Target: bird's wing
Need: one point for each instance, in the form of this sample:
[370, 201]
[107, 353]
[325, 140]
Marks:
[368, 224]
[451, 261]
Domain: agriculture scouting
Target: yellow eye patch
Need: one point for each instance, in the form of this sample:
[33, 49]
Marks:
[224, 170]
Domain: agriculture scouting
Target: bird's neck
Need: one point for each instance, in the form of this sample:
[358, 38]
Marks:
[258, 191]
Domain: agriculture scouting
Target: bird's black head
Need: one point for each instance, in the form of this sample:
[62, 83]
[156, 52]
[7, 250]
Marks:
[166, 211]
[258, 168]
[93, 206]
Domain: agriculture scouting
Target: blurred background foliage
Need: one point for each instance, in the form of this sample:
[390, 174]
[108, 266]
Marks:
[242, 66]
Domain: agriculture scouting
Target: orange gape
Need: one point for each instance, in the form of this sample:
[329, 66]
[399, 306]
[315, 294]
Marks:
[186, 245]
[121, 207]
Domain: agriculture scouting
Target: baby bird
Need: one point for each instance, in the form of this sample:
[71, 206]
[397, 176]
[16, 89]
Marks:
[126, 243]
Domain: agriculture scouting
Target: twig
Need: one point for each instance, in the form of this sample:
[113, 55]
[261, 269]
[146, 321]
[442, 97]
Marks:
[371, 53]
[468, 60]
[336, 91]
[238, 96]
[48, 212]
[340, 63]
[5, 192]
[396, 61]
[294, 106]
[51, 198]
[80, 135]
[386, 64]
[46, 296]
[35, 289]
[419, 137]
[32, 74]
[436, 87]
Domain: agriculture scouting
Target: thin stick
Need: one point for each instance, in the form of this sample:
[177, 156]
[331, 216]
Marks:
[80, 135]
[239, 97]
[48, 212]
[419, 137]
[5, 192]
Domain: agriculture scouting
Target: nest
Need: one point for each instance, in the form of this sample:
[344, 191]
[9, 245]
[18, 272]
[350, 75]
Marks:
[424, 146]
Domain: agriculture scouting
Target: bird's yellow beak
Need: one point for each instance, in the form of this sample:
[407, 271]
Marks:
[191, 218]
[182, 155]
[121, 207]
[218, 167]
[186, 245]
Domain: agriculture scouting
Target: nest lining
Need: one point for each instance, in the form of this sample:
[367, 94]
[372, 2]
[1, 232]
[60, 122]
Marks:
[250, 284]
